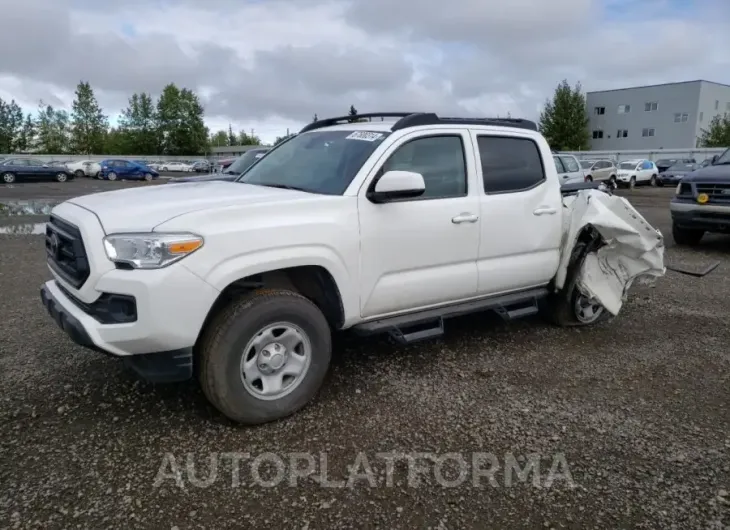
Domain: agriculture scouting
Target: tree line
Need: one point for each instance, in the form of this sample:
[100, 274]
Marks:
[172, 124]
[564, 122]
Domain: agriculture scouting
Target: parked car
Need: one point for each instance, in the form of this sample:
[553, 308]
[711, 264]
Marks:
[634, 172]
[598, 170]
[20, 168]
[244, 282]
[675, 173]
[175, 166]
[569, 169]
[113, 169]
[223, 164]
[84, 168]
[201, 166]
[702, 202]
[665, 163]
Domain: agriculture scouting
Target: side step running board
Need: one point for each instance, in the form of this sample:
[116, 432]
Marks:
[428, 324]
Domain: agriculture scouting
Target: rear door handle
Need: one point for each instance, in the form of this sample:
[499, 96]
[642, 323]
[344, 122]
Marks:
[465, 218]
[545, 211]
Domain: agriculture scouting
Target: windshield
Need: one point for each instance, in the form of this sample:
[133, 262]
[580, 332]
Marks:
[585, 164]
[321, 161]
[244, 161]
[724, 158]
[665, 162]
[682, 167]
[627, 165]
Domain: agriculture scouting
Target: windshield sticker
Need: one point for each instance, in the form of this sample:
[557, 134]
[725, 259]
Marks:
[365, 135]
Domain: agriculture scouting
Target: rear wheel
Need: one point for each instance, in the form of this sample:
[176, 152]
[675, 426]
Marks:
[61, 177]
[571, 307]
[653, 180]
[632, 183]
[687, 236]
[264, 356]
[8, 178]
[79, 173]
[148, 176]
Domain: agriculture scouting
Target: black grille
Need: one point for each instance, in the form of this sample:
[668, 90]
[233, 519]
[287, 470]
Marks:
[715, 191]
[65, 252]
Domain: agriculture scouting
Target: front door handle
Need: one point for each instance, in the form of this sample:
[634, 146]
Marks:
[465, 218]
[545, 211]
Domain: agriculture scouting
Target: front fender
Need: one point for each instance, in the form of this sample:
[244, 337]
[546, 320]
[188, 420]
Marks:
[247, 264]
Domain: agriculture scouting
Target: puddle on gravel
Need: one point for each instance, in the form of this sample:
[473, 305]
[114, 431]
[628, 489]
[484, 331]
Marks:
[31, 207]
[26, 229]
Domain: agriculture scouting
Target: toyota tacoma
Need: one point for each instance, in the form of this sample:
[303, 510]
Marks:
[390, 225]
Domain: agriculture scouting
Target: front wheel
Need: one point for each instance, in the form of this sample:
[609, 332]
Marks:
[265, 356]
[61, 177]
[79, 174]
[653, 181]
[148, 176]
[632, 183]
[686, 236]
[589, 179]
[111, 176]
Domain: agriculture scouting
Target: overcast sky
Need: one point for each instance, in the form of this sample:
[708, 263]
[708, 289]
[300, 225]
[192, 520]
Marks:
[269, 65]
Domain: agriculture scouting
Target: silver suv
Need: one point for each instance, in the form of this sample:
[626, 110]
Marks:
[598, 170]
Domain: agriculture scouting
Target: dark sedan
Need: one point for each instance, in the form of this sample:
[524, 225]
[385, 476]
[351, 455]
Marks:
[18, 168]
[673, 174]
[665, 163]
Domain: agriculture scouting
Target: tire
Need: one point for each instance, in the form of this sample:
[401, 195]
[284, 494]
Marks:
[686, 236]
[561, 308]
[111, 176]
[79, 174]
[148, 177]
[632, 183]
[8, 178]
[225, 344]
[589, 179]
[654, 182]
[61, 177]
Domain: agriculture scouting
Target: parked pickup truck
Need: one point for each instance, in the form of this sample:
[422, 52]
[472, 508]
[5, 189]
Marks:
[702, 202]
[373, 226]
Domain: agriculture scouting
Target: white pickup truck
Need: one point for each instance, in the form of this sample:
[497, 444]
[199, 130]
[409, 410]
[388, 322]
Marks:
[373, 226]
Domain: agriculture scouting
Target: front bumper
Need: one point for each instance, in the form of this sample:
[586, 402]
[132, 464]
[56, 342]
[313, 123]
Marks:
[708, 217]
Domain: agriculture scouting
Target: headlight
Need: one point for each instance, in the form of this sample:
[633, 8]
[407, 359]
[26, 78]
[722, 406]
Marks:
[150, 251]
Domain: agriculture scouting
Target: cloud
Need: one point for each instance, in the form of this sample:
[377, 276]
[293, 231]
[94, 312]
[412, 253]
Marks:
[270, 65]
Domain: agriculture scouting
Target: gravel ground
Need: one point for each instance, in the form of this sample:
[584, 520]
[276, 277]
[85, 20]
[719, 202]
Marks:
[628, 422]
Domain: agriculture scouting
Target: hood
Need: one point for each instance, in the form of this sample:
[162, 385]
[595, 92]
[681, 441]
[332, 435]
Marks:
[142, 209]
[720, 173]
[204, 178]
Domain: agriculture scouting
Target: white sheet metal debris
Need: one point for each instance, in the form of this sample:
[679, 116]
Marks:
[633, 248]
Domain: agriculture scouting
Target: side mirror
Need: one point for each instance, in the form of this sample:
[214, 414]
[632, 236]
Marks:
[397, 185]
[714, 159]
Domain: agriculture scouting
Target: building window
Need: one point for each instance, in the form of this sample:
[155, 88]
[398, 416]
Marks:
[647, 132]
[681, 117]
[702, 115]
[650, 106]
[597, 134]
[622, 133]
[717, 104]
[624, 109]
[599, 111]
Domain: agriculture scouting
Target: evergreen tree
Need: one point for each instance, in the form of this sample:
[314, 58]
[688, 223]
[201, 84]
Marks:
[27, 138]
[180, 125]
[718, 132]
[564, 120]
[89, 124]
[315, 118]
[219, 139]
[137, 131]
[353, 112]
[232, 138]
[11, 124]
[53, 130]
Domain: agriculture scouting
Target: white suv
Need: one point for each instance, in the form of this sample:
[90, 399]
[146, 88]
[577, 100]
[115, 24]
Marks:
[371, 226]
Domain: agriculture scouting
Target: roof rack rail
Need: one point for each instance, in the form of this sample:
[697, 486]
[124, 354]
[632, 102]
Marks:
[416, 119]
[329, 122]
